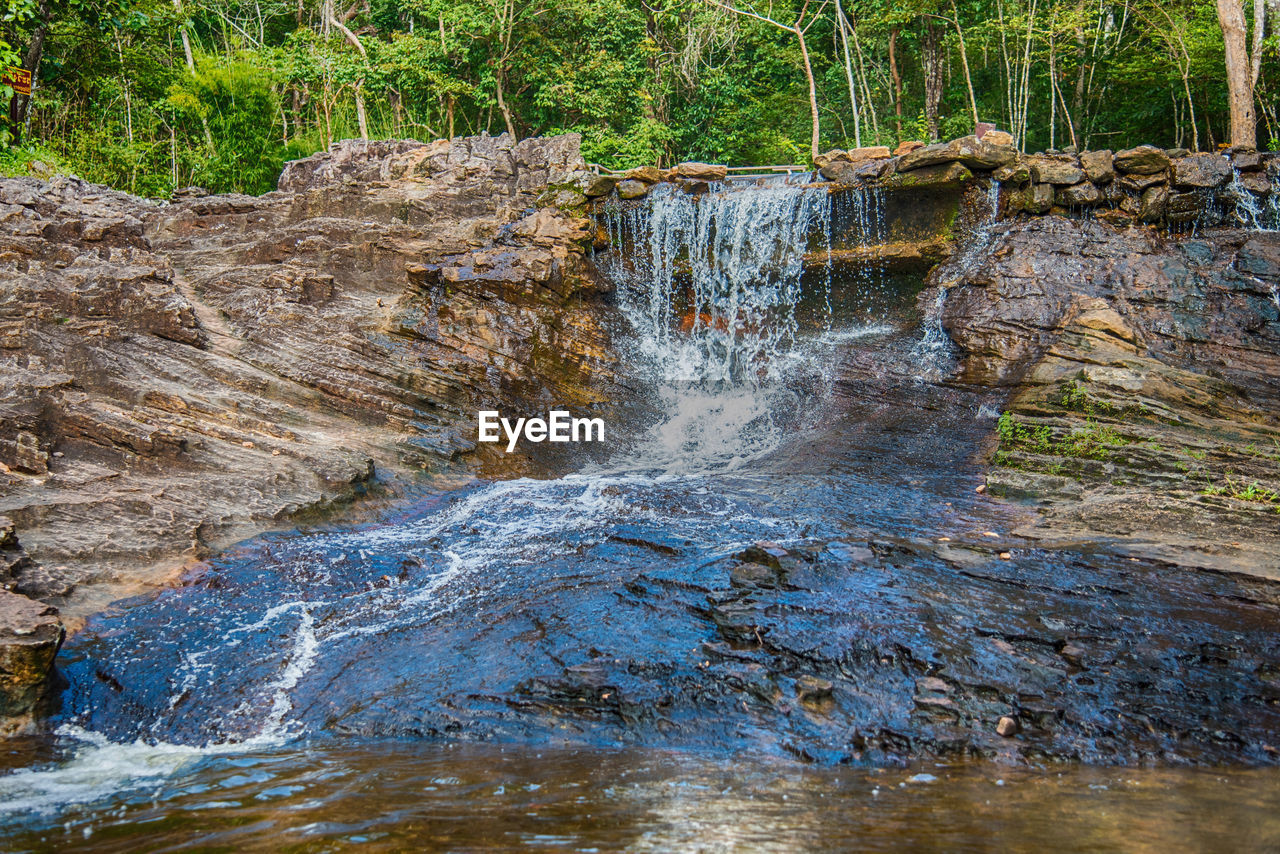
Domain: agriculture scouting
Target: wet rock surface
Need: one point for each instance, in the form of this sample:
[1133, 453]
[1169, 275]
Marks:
[900, 621]
[178, 376]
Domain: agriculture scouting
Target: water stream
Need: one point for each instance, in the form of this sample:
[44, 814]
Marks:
[550, 654]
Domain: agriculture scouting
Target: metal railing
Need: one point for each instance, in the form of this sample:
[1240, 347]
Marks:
[740, 171]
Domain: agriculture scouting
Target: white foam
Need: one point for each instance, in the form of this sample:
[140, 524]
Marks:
[100, 769]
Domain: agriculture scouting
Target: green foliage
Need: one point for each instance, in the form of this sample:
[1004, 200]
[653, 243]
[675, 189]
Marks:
[1242, 491]
[235, 101]
[656, 81]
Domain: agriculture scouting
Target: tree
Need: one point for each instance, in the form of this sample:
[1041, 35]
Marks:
[1239, 78]
[799, 28]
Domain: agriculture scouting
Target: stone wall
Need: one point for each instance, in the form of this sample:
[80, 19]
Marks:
[1146, 184]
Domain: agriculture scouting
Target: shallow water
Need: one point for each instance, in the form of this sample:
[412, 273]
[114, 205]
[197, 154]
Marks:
[392, 796]
[571, 663]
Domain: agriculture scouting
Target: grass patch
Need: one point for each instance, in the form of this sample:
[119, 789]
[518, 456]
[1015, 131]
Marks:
[1093, 441]
[1242, 491]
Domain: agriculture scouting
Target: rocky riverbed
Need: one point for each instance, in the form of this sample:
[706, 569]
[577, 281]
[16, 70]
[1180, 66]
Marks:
[180, 376]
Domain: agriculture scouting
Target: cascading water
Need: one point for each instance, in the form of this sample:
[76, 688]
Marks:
[726, 267]
[935, 344]
[1250, 210]
[710, 286]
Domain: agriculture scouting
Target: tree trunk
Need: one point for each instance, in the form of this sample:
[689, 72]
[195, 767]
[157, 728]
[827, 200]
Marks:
[1077, 97]
[20, 104]
[897, 80]
[845, 26]
[355, 42]
[502, 105]
[507, 25]
[1259, 33]
[964, 60]
[1239, 79]
[361, 118]
[931, 42]
[813, 91]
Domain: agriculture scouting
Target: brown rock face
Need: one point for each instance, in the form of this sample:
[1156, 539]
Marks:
[871, 152]
[1099, 166]
[941, 176]
[1084, 194]
[645, 174]
[176, 377]
[970, 151]
[1200, 171]
[629, 188]
[1145, 378]
[1055, 170]
[30, 636]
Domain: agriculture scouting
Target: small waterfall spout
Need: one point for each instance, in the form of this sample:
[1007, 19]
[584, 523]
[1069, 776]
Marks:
[1250, 210]
[934, 345]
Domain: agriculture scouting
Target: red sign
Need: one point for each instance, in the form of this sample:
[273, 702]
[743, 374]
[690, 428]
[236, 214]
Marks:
[18, 78]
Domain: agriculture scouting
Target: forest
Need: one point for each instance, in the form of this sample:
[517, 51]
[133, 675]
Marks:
[155, 95]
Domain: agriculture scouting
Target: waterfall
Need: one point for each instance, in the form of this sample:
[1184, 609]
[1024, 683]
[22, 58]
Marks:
[861, 213]
[713, 282]
[1251, 211]
[710, 285]
[934, 345]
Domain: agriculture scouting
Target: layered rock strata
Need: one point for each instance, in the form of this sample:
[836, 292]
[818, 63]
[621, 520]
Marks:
[1144, 377]
[179, 376]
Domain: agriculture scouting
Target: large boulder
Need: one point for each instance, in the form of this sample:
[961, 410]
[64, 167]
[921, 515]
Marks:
[968, 151]
[1017, 172]
[1140, 183]
[600, 185]
[645, 174]
[1155, 204]
[1037, 198]
[1062, 171]
[1247, 161]
[1099, 166]
[938, 176]
[1143, 160]
[693, 171]
[1200, 171]
[30, 636]
[870, 152]
[630, 188]
[1084, 194]
[860, 172]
